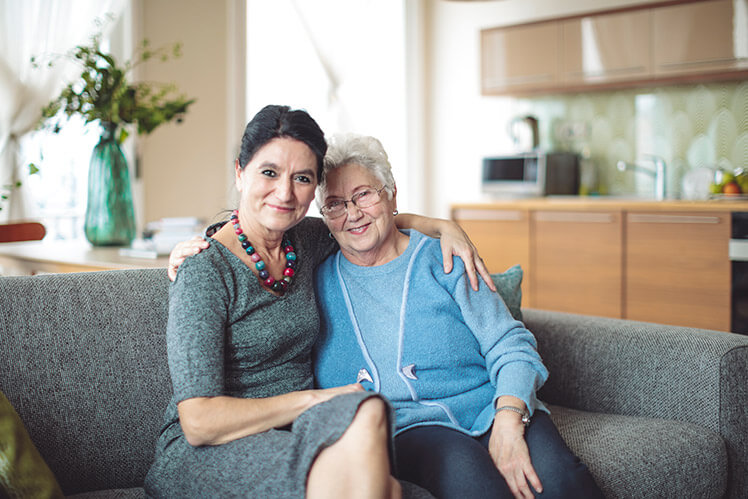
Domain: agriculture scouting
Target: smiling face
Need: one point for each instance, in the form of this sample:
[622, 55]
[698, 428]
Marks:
[277, 186]
[367, 236]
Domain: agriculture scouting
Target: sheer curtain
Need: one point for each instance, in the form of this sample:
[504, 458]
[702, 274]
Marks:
[36, 28]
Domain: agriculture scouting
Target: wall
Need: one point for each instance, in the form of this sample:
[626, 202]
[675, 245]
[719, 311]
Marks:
[464, 126]
[186, 169]
[695, 129]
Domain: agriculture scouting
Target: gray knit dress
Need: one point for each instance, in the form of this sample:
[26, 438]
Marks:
[226, 335]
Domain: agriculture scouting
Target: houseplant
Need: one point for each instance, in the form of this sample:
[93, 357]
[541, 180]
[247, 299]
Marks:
[103, 93]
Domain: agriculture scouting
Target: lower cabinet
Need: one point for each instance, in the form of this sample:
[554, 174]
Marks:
[503, 240]
[678, 269]
[669, 267]
[576, 262]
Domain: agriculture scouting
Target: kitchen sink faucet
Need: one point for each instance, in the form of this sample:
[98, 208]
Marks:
[658, 172]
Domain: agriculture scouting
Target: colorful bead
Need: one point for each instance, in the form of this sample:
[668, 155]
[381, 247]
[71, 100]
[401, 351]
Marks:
[279, 286]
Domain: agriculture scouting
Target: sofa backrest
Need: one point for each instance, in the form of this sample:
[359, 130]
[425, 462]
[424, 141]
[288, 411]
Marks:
[83, 361]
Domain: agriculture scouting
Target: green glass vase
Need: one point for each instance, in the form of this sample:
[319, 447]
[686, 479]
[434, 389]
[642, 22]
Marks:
[110, 217]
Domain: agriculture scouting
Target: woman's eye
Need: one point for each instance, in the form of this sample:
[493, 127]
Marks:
[362, 194]
[304, 179]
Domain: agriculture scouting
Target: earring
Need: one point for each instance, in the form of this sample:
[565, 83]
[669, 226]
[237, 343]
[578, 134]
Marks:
[329, 234]
[394, 213]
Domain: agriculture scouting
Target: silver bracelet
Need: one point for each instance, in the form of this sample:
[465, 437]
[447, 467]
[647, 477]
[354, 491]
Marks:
[525, 415]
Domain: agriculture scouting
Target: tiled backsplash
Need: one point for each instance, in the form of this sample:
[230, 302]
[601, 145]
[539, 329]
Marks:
[692, 128]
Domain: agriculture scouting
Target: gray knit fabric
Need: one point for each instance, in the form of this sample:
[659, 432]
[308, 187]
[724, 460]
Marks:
[83, 361]
[640, 369]
[644, 457]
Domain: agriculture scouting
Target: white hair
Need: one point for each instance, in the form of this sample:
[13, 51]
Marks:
[349, 149]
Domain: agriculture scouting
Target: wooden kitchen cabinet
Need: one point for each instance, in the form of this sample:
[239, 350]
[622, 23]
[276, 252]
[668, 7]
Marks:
[502, 238]
[607, 48]
[577, 262]
[521, 58]
[650, 44]
[693, 38]
[678, 269]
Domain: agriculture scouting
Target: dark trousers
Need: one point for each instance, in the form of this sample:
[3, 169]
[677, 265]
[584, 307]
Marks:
[451, 464]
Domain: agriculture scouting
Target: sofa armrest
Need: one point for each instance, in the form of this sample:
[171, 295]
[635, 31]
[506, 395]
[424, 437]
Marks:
[643, 369]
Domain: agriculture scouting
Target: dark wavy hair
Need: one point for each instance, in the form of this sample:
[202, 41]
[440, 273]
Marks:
[273, 122]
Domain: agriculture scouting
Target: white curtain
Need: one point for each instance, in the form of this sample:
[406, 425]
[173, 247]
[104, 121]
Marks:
[40, 28]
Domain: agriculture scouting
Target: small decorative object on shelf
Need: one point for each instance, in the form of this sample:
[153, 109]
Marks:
[103, 94]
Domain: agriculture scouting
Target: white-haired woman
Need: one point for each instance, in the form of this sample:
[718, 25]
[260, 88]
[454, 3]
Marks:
[461, 373]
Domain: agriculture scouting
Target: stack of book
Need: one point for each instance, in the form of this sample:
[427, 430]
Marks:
[160, 236]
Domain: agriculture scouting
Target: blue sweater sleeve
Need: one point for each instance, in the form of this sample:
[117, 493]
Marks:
[513, 363]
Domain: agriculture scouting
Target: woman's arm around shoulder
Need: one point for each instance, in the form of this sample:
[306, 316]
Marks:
[454, 242]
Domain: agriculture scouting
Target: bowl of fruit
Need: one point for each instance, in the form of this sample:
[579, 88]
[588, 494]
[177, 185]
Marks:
[730, 185]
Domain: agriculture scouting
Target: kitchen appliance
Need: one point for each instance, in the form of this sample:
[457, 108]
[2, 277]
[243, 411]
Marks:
[523, 131]
[739, 262]
[534, 173]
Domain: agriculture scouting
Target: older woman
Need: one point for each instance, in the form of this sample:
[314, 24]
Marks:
[244, 419]
[461, 373]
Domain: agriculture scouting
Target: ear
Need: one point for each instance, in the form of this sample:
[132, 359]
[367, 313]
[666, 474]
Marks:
[394, 197]
[238, 175]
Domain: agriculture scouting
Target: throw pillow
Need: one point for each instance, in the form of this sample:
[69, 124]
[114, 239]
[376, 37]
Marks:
[23, 472]
[508, 284]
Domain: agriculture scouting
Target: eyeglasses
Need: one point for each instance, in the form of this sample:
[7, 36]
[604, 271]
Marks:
[362, 199]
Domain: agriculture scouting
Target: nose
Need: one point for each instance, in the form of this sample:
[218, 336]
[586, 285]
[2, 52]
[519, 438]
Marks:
[356, 213]
[284, 190]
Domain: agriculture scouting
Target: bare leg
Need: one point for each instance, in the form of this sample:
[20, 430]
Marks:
[357, 465]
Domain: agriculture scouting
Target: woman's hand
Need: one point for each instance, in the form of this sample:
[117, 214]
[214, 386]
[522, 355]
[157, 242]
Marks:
[183, 250]
[454, 241]
[509, 451]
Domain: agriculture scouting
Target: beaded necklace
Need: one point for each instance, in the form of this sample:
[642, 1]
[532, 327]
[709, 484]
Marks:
[280, 286]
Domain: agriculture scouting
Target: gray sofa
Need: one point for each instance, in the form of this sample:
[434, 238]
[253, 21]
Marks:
[655, 411]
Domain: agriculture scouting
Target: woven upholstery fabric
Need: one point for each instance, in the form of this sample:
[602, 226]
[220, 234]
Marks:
[644, 457]
[641, 369]
[134, 493]
[83, 361]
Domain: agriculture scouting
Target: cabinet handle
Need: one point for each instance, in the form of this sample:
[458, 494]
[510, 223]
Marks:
[468, 214]
[579, 217]
[672, 219]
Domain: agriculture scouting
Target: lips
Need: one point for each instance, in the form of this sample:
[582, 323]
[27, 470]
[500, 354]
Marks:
[358, 230]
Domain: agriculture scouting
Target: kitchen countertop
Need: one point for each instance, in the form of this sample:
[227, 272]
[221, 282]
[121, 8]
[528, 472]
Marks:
[603, 203]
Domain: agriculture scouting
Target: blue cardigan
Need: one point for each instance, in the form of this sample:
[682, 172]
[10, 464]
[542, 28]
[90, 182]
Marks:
[439, 351]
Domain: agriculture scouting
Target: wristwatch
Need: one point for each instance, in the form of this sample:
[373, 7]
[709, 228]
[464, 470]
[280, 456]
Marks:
[525, 415]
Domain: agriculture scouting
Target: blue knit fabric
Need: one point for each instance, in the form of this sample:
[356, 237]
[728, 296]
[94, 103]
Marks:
[463, 347]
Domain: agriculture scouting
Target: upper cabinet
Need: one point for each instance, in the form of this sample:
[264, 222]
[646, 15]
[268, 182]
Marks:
[521, 57]
[607, 48]
[702, 37]
[670, 43]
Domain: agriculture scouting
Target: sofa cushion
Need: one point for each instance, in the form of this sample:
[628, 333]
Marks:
[83, 361]
[508, 284]
[645, 457]
[133, 493]
[23, 472]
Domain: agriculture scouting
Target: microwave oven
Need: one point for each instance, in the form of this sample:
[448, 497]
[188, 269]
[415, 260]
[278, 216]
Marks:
[529, 174]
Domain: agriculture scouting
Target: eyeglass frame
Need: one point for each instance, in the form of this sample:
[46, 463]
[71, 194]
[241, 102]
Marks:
[353, 201]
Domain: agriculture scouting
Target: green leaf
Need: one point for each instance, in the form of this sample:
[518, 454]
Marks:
[33, 170]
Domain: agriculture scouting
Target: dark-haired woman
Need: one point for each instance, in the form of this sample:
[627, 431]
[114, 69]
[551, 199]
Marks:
[244, 419]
